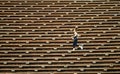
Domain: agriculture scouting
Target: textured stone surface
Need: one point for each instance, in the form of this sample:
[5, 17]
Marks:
[36, 36]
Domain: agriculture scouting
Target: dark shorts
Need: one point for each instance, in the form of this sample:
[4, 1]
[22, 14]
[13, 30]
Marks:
[75, 41]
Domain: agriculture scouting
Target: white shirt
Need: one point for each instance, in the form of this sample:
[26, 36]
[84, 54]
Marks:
[75, 33]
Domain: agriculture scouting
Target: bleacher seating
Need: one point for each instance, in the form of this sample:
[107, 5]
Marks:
[36, 36]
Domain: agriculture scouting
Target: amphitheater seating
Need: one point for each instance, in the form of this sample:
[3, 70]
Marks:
[36, 36]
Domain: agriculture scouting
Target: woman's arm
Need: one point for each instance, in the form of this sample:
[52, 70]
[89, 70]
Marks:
[75, 33]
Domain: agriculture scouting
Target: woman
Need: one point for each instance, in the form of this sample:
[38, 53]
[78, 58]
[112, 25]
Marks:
[75, 39]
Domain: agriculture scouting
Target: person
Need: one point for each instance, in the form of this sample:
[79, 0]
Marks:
[75, 41]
